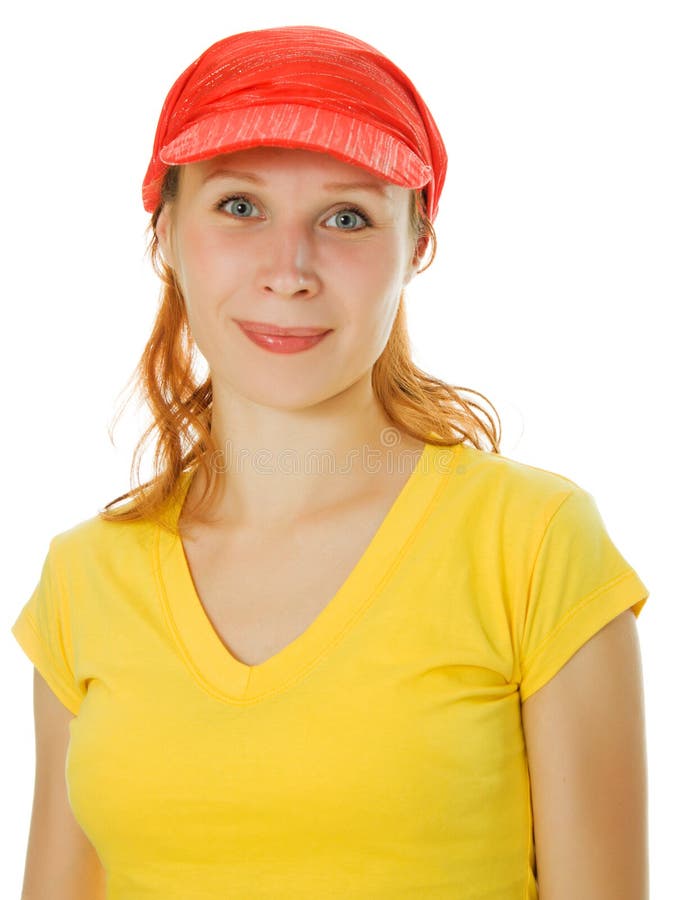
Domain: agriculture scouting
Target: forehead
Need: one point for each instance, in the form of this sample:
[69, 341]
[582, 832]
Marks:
[265, 164]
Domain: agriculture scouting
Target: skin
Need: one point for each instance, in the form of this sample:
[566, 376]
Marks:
[282, 255]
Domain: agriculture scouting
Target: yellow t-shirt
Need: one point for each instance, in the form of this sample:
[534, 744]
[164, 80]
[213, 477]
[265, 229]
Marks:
[378, 755]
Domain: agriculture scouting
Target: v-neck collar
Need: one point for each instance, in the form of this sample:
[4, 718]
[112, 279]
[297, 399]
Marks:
[204, 653]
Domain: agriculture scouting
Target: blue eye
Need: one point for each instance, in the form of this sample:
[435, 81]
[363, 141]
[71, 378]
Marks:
[239, 208]
[243, 208]
[347, 215]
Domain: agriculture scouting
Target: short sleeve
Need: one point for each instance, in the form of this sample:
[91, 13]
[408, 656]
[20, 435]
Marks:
[579, 583]
[43, 630]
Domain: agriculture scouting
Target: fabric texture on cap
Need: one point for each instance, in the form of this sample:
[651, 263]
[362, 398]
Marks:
[300, 86]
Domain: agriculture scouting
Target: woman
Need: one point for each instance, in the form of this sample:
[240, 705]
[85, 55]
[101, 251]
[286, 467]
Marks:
[338, 645]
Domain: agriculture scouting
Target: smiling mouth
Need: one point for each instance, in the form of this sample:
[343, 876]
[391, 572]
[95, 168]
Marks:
[291, 331]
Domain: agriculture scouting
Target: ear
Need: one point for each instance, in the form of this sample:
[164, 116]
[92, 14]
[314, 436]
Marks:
[420, 250]
[163, 232]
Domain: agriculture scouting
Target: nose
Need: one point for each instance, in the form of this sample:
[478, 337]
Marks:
[287, 266]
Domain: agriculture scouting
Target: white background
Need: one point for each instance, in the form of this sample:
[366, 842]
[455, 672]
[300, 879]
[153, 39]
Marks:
[552, 291]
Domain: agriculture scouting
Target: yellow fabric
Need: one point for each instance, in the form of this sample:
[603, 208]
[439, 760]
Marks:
[381, 753]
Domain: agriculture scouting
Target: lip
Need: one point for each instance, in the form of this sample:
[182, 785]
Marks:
[284, 343]
[269, 328]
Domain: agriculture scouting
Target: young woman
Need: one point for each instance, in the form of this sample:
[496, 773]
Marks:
[338, 645]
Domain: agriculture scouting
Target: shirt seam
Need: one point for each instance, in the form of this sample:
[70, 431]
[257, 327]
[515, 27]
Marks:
[574, 611]
[531, 576]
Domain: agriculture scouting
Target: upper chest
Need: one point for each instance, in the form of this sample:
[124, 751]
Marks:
[261, 591]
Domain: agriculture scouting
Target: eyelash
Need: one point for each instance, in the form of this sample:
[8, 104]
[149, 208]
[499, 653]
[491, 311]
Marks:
[350, 208]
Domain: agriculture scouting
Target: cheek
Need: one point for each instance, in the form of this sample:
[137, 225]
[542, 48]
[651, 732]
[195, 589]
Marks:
[206, 264]
[372, 292]
[369, 269]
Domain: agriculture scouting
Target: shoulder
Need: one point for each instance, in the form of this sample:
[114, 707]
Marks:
[510, 485]
[505, 468]
[96, 538]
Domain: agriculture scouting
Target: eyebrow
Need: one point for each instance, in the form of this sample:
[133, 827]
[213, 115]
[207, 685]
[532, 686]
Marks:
[371, 186]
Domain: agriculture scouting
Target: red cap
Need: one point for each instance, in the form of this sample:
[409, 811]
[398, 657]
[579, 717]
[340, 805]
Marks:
[300, 86]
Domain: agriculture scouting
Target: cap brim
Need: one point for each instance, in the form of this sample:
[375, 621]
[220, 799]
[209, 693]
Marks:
[292, 125]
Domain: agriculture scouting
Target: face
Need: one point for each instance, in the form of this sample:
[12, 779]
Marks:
[293, 238]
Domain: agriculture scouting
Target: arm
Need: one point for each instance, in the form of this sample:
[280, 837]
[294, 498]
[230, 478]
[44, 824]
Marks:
[61, 863]
[585, 737]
